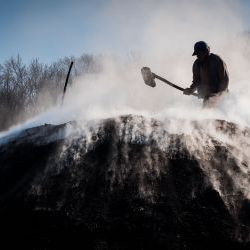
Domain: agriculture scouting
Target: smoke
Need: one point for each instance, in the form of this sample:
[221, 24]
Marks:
[160, 35]
[165, 33]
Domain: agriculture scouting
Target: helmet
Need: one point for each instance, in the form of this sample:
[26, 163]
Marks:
[200, 46]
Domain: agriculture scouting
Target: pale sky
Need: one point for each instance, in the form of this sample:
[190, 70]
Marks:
[52, 29]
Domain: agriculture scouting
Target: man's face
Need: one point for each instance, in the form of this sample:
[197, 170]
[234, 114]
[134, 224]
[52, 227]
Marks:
[202, 55]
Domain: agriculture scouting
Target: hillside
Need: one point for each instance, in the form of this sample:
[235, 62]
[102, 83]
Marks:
[126, 183]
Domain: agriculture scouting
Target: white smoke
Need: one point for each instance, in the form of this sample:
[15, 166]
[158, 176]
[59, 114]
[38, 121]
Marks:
[163, 33]
[167, 33]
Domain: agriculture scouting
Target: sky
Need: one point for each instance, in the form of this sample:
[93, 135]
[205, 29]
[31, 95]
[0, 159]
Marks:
[52, 29]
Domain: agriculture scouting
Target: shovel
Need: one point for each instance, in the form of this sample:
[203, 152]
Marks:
[149, 79]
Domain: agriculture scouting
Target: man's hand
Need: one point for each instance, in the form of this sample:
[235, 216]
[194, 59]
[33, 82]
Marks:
[188, 91]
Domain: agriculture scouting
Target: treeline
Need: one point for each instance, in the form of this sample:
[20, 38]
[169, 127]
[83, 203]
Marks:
[26, 90]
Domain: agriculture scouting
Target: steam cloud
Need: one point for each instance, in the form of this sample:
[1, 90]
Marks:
[160, 35]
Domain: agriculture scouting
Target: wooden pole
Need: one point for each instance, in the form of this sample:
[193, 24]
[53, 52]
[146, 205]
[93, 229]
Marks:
[66, 82]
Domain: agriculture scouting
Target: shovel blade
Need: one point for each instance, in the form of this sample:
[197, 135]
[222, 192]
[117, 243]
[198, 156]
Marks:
[148, 77]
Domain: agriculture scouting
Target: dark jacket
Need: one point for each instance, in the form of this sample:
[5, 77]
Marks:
[210, 77]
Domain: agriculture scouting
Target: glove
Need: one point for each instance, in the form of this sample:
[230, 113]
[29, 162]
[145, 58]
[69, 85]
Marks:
[188, 91]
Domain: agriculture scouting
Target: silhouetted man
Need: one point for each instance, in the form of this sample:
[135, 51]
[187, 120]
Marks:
[210, 75]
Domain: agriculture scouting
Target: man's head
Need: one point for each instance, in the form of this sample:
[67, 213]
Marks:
[201, 50]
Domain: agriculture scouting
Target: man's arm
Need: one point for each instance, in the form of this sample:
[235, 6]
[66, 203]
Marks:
[196, 80]
[223, 75]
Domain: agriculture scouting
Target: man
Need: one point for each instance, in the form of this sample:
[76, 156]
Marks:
[210, 75]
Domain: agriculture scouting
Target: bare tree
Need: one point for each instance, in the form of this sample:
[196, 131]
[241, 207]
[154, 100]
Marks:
[28, 90]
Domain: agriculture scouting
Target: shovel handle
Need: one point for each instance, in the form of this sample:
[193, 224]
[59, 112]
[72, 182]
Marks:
[171, 84]
[66, 82]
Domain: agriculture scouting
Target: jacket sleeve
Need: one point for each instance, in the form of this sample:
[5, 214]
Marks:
[223, 75]
[196, 76]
